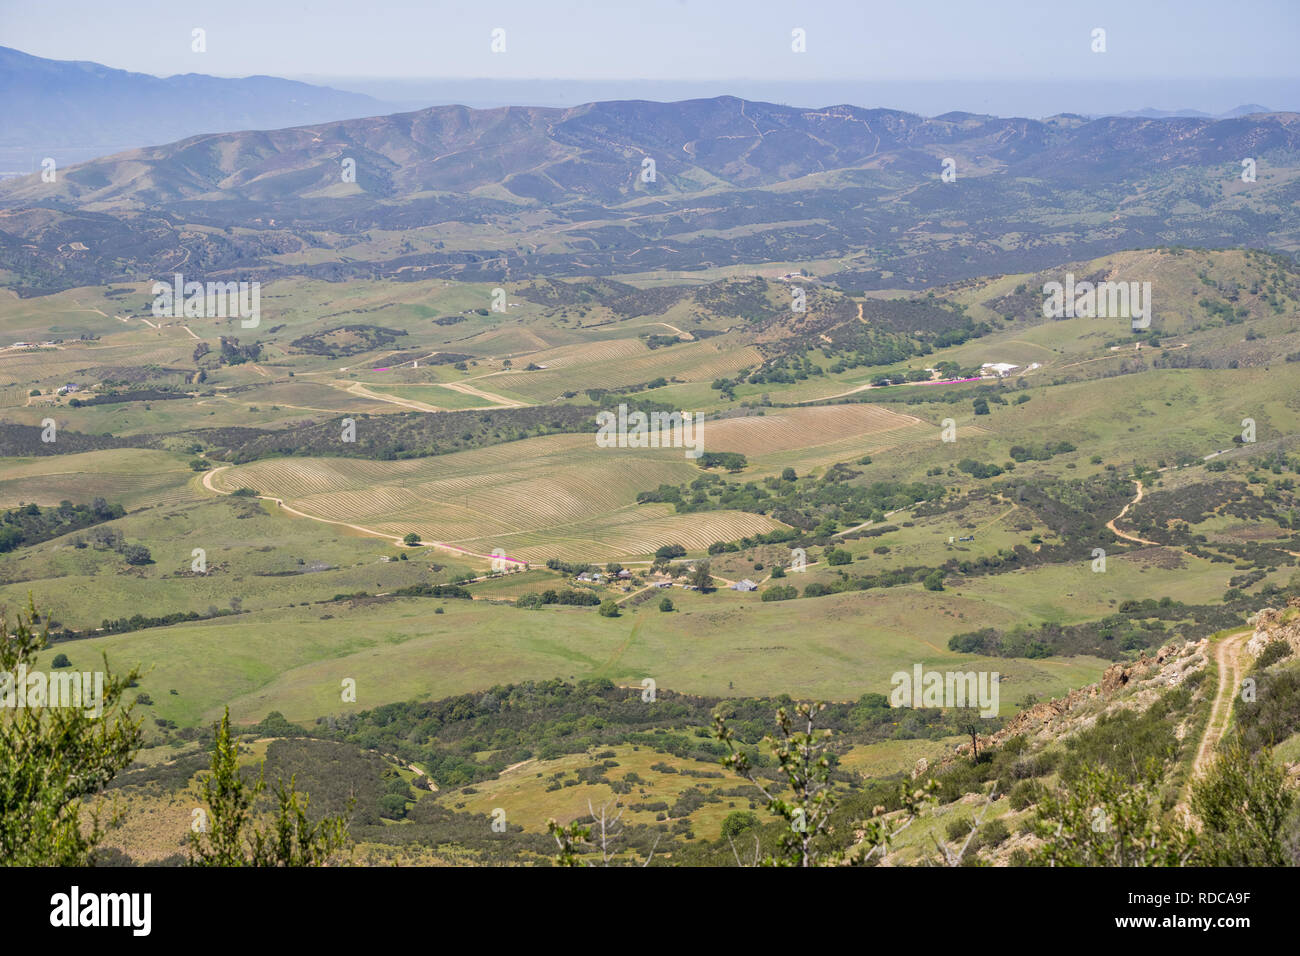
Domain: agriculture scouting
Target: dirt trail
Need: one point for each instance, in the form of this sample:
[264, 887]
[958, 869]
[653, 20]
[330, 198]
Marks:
[865, 524]
[395, 538]
[688, 336]
[866, 388]
[1130, 537]
[499, 400]
[1227, 656]
[636, 628]
[358, 388]
[992, 522]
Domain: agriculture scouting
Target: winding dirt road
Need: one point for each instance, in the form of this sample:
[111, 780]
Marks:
[1130, 537]
[395, 538]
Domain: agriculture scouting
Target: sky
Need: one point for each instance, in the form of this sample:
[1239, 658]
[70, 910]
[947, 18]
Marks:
[712, 43]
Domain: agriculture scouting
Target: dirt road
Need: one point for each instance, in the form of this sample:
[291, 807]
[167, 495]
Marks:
[1130, 537]
[1228, 657]
[396, 539]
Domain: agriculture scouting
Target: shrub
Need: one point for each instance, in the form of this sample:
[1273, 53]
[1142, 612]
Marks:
[392, 806]
[737, 822]
[1272, 653]
[137, 554]
[993, 833]
[1024, 793]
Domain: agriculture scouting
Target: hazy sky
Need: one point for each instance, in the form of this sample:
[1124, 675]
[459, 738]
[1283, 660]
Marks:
[670, 39]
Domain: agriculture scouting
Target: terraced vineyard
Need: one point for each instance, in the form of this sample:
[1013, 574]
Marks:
[814, 433]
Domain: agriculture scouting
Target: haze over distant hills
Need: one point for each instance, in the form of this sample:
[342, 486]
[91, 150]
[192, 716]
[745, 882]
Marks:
[53, 105]
[1152, 113]
[1036, 97]
[76, 110]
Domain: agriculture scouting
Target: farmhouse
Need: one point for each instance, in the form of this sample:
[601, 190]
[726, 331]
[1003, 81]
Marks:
[745, 585]
[998, 368]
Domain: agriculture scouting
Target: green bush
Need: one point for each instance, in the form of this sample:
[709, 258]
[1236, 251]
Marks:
[737, 822]
[993, 833]
[1273, 652]
[1024, 793]
[392, 806]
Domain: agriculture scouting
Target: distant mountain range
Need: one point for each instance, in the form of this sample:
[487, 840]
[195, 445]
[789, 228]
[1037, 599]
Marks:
[597, 152]
[632, 186]
[55, 104]
[1150, 113]
[76, 110]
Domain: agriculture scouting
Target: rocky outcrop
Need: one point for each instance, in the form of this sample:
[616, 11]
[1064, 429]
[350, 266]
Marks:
[1139, 683]
[1275, 625]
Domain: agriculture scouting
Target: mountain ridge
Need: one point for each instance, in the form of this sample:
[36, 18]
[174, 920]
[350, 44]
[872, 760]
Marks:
[595, 151]
[81, 103]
